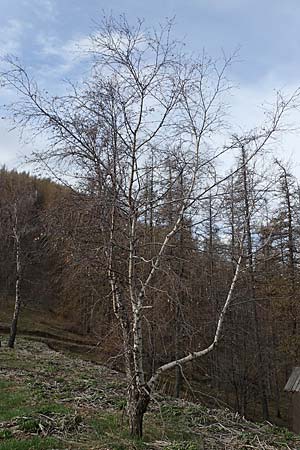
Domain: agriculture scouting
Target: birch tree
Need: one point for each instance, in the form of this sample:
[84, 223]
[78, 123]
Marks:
[144, 93]
[18, 223]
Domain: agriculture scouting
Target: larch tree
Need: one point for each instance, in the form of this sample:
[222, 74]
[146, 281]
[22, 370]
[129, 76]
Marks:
[286, 240]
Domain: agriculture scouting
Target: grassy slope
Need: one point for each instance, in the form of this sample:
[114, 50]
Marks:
[60, 334]
[39, 321]
[50, 400]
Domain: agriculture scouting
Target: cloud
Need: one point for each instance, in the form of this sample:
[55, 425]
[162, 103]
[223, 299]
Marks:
[223, 5]
[16, 151]
[248, 108]
[42, 9]
[12, 152]
[252, 99]
[11, 37]
[67, 55]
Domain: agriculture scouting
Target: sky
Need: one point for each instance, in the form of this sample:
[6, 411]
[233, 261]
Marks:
[46, 35]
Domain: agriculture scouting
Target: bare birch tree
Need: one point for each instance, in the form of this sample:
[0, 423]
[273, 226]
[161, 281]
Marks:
[18, 225]
[144, 98]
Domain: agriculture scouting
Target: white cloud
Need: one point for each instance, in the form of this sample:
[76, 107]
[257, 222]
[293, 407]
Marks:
[12, 152]
[252, 100]
[42, 9]
[249, 104]
[11, 37]
[15, 152]
[68, 54]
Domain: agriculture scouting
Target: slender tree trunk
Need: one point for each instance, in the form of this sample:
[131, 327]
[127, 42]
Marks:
[213, 298]
[291, 250]
[179, 305]
[18, 300]
[178, 374]
[261, 371]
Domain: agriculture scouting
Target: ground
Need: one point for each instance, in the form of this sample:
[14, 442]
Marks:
[52, 400]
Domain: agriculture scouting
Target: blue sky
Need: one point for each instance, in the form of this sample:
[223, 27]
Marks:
[45, 34]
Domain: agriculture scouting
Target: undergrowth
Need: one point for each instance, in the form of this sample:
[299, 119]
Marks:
[51, 400]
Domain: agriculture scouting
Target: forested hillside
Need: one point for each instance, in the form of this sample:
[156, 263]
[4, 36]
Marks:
[63, 269]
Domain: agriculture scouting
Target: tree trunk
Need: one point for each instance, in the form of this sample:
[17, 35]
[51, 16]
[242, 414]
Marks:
[138, 401]
[178, 373]
[178, 381]
[14, 323]
[252, 291]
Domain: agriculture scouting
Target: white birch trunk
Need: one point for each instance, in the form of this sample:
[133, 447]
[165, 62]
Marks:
[197, 354]
[18, 299]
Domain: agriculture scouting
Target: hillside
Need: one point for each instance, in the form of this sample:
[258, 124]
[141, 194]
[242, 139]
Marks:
[65, 293]
[51, 400]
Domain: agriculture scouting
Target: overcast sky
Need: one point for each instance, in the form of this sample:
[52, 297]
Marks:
[45, 35]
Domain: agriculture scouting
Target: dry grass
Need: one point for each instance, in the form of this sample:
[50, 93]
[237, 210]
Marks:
[51, 400]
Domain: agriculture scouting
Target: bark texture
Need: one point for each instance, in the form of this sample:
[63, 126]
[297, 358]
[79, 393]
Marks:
[18, 300]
